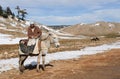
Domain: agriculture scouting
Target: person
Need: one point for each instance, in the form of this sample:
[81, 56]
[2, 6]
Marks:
[33, 33]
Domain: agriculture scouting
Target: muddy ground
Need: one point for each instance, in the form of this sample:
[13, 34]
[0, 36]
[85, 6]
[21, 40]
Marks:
[100, 66]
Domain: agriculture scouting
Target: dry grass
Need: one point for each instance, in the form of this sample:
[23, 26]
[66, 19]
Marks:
[8, 51]
[102, 29]
[13, 33]
[67, 45]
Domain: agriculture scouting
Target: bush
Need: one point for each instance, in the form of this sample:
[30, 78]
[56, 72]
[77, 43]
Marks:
[5, 15]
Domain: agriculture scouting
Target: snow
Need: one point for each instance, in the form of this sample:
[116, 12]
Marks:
[111, 25]
[2, 19]
[2, 24]
[27, 23]
[45, 27]
[4, 35]
[12, 24]
[5, 39]
[82, 24]
[16, 18]
[67, 37]
[4, 28]
[10, 18]
[7, 64]
[97, 24]
[10, 41]
[23, 25]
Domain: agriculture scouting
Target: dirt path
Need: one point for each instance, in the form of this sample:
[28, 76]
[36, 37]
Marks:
[99, 66]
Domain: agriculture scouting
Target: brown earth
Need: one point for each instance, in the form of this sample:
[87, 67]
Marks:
[10, 51]
[99, 66]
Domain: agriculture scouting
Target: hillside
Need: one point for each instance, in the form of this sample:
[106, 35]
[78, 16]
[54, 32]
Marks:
[13, 27]
[12, 30]
[93, 29]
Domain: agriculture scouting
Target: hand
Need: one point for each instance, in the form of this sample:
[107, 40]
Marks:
[31, 37]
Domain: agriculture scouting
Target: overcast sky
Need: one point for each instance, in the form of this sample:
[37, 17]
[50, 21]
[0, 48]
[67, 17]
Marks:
[51, 12]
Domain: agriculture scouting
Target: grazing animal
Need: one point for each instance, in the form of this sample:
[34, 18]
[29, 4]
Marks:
[95, 39]
[46, 40]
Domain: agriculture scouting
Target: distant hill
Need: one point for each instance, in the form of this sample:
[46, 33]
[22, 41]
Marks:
[58, 27]
[93, 29]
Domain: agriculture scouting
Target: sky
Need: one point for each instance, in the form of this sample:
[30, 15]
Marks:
[67, 12]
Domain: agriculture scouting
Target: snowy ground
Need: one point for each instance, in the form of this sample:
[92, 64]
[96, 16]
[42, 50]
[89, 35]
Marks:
[8, 64]
[6, 39]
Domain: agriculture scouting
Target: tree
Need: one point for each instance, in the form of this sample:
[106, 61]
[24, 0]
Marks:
[5, 15]
[21, 13]
[8, 11]
[13, 15]
[1, 11]
[18, 9]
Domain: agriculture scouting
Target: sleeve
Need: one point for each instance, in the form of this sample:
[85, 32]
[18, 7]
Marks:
[29, 33]
[39, 32]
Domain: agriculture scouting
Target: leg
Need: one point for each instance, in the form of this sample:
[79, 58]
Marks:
[21, 62]
[39, 45]
[43, 61]
[38, 59]
[38, 62]
[44, 52]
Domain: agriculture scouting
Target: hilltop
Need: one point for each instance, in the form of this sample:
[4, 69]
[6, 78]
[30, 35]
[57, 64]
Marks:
[13, 27]
[93, 29]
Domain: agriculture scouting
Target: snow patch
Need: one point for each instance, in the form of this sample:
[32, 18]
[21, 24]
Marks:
[12, 24]
[2, 24]
[2, 19]
[7, 64]
[97, 24]
[111, 25]
[23, 25]
[82, 24]
[4, 28]
[6, 39]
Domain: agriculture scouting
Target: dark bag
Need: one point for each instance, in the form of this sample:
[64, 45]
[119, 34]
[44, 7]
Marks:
[24, 48]
[23, 45]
